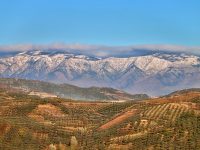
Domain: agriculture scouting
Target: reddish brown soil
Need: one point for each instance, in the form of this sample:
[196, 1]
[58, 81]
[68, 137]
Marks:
[118, 119]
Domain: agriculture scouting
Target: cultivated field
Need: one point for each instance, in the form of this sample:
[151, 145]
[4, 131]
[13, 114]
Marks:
[31, 122]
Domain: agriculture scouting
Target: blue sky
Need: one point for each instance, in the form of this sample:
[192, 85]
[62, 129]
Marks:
[105, 22]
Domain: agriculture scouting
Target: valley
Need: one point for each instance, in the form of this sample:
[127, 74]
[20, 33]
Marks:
[99, 75]
[32, 122]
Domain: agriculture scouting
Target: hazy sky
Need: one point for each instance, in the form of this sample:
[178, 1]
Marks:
[107, 22]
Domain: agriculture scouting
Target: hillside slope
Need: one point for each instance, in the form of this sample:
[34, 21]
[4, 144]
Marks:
[70, 91]
[29, 122]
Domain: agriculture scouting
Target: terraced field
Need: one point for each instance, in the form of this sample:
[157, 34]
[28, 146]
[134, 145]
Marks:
[169, 111]
[31, 122]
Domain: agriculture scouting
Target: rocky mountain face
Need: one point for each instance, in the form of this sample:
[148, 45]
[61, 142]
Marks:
[154, 73]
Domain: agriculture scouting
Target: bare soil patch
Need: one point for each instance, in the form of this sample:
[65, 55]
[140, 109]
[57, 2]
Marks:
[118, 119]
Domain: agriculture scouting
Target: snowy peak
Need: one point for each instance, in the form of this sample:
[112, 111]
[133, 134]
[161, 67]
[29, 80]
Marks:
[136, 74]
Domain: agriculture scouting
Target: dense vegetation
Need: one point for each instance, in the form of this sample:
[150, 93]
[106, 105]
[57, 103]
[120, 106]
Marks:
[30, 122]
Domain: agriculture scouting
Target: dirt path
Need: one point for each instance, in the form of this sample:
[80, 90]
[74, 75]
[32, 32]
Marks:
[118, 119]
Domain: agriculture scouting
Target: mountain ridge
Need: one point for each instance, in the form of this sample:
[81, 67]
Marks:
[156, 74]
[69, 91]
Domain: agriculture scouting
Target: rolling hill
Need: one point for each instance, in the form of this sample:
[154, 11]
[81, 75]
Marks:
[69, 91]
[30, 122]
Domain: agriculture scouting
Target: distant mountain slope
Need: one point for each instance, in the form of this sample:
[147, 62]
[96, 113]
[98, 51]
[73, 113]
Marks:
[156, 73]
[70, 91]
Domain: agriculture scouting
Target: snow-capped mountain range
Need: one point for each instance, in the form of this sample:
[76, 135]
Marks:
[154, 73]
